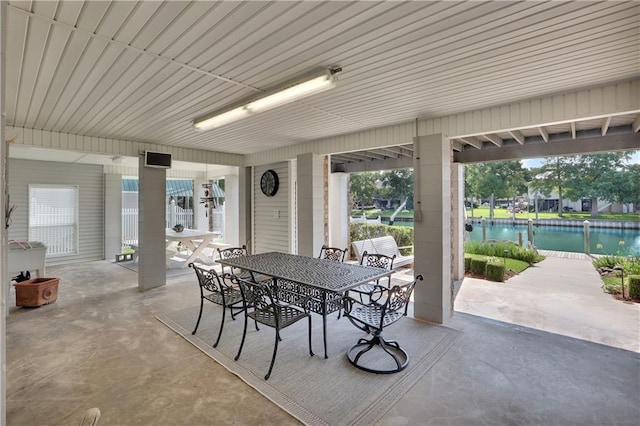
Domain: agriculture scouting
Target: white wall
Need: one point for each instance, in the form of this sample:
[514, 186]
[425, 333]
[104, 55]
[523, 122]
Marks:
[90, 180]
[271, 215]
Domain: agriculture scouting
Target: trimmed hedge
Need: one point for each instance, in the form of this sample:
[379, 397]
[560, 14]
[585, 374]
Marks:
[467, 263]
[478, 266]
[494, 271]
[634, 286]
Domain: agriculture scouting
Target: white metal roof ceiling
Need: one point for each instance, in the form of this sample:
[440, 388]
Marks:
[143, 70]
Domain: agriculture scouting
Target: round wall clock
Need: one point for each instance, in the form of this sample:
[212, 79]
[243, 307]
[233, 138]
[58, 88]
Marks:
[269, 183]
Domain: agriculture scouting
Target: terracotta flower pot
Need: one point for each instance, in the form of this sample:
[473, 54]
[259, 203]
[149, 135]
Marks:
[36, 292]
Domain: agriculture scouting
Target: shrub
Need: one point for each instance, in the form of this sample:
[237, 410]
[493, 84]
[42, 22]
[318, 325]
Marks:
[494, 271]
[630, 264]
[497, 249]
[467, 263]
[605, 262]
[478, 265]
[612, 286]
[634, 286]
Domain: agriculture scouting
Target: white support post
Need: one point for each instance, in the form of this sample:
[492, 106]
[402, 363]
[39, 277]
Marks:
[151, 228]
[432, 227]
[4, 276]
[310, 204]
[338, 210]
[112, 215]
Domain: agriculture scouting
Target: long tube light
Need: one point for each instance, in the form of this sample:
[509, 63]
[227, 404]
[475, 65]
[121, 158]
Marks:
[269, 100]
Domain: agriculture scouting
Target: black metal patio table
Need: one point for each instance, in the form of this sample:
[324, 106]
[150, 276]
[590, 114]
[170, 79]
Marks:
[322, 281]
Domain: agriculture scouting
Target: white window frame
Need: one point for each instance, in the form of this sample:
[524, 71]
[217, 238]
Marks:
[76, 224]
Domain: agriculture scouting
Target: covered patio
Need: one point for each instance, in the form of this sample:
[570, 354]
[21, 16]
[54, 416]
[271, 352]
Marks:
[89, 88]
[100, 346]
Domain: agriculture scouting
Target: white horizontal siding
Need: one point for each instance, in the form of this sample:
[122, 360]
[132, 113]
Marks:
[271, 234]
[105, 146]
[89, 179]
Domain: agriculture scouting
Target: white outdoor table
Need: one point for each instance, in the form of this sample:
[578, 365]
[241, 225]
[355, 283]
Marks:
[194, 240]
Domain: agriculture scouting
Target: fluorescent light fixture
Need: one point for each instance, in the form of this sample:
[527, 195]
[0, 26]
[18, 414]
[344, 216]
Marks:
[273, 99]
[221, 119]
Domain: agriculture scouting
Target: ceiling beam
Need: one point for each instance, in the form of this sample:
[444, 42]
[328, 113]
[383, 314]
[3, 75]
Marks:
[566, 146]
[377, 155]
[473, 141]
[605, 125]
[635, 126]
[373, 166]
[573, 130]
[397, 150]
[494, 139]
[544, 133]
[457, 146]
[517, 135]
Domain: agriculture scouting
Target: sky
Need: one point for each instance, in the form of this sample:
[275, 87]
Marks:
[537, 162]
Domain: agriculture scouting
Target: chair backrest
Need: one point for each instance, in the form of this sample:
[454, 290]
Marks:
[208, 279]
[400, 295]
[375, 260]
[256, 295]
[332, 253]
[232, 253]
[397, 302]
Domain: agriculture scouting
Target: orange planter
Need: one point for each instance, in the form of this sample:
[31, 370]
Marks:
[37, 292]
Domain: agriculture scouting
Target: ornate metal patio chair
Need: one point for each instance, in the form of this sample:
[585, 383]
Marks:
[234, 252]
[376, 261]
[217, 289]
[261, 304]
[332, 253]
[372, 318]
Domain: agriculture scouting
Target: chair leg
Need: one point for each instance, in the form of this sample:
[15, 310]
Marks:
[199, 316]
[221, 326]
[391, 348]
[310, 347]
[273, 358]
[244, 333]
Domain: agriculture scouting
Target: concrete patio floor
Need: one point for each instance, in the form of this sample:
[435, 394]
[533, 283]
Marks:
[100, 346]
[560, 295]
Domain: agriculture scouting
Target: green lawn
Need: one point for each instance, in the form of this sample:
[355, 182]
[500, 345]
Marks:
[504, 214]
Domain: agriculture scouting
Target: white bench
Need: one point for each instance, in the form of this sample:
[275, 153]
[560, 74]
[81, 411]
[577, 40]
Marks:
[382, 245]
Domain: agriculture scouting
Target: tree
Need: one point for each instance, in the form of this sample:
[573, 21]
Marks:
[362, 188]
[552, 175]
[398, 183]
[502, 179]
[598, 176]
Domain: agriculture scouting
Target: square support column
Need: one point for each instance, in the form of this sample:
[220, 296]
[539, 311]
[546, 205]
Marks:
[112, 215]
[240, 231]
[457, 220]
[152, 269]
[338, 210]
[432, 227]
[4, 275]
[310, 178]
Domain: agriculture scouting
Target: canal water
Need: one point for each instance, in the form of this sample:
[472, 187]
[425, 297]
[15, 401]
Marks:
[562, 238]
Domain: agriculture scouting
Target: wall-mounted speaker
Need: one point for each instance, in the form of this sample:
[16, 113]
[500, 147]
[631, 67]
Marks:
[159, 160]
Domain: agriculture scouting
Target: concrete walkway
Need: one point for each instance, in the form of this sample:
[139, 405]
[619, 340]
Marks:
[560, 295]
